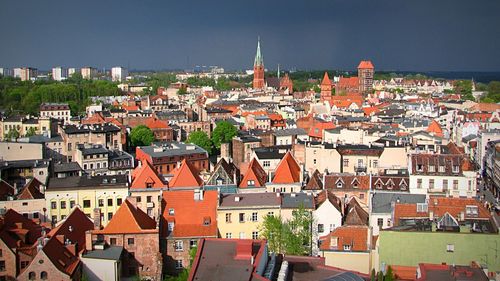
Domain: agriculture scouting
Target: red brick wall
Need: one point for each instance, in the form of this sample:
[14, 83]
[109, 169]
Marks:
[9, 258]
[42, 263]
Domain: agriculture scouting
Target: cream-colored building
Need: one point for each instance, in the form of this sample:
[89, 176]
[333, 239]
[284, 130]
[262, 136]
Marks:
[99, 195]
[360, 158]
[351, 136]
[14, 151]
[321, 157]
[88, 72]
[107, 135]
[241, 215]
[25, 125]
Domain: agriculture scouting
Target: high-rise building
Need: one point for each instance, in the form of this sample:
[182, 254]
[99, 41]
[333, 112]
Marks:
[365, 75]
[88, 72]
[326, 88]
[71, 71]
[26, 73]
[258, 69]
[6, 72]
[119, 74]
[59, 73]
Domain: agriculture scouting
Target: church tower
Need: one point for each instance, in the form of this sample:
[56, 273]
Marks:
[326, 89]
[258, 69]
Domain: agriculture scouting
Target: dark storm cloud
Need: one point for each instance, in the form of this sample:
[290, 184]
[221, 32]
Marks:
[306, 34]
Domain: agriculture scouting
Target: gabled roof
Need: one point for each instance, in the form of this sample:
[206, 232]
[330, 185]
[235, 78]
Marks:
[229, 168]
[60, 256]
[145, 175]
[255, 173]
[129, 219]
[17, 230]
[31, 191]
[315, 182]
[435, 128]
[6, 190]
[287, 171]
[356, 215]
[327, 195]
[74, 228]
[189, 214]
[185, 176]
[348, 182]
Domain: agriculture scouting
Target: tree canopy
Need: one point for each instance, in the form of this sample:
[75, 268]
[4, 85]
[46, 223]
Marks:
[223, 133]
[202, 140]
[141, 136]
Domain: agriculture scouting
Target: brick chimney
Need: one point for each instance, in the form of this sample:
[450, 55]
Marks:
[88, 240]
[97, 218]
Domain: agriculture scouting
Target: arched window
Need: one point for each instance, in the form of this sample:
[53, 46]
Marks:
[31, 276]
[43, 275]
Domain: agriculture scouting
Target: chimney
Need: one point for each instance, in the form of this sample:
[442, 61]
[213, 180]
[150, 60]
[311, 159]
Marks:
[88, 240]
[15, 188]
[97, 218]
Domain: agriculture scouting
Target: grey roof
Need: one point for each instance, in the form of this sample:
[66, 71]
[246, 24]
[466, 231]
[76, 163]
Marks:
[290, 132]
[382, 201]
[37, 163]
[92, 149]
[295, 200]
[67, 167]
[109, 253]
[265, 153]
[250, 199]
[87, 182]
[97, 128]
[345, 276]
[159, 149]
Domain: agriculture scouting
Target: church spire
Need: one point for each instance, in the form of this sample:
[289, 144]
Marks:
[259, 60]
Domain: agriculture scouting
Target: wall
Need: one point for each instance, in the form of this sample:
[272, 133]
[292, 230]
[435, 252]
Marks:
[100, 269]
[412, 248]
[247, 227]
[357, 261]
[13, 151]
[393, 157]
[325, 159]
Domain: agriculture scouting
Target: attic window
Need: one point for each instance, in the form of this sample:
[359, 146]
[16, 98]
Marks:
[432, 168]
[251, 183]
[456, 170]
[420, 168]
[347, 247]
[422, 207]
[171, 212]
[206, 221]
[339, 184]
[149, 185]
[472, 211]
[441, 169]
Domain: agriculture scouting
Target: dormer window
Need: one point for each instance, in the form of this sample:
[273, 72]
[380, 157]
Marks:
[471, 211]
[251, 183]
[149, 185]
[347, 247]
[355, 183]
[456, 170]
[441, 169]
[432, 168]
[171, 212]
[420, 168]
[171, 226]
[206, 221]
[340, 183]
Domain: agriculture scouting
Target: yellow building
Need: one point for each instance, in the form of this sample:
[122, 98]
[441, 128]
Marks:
[240, 215]
[96, 196]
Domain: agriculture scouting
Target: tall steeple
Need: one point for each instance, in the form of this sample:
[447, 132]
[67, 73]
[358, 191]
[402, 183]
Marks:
[258, 69]
[259, 60]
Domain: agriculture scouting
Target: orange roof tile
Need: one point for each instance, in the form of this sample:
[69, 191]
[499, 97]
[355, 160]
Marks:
[254, 173]
[316, 130]
[287, 171]
[129, 219]
[404, 272]
[365, 64]
[155, 123]
[185, 176]
[435, 128]
[370, 110]
[355, 236]
[188, 223]
[144, 176]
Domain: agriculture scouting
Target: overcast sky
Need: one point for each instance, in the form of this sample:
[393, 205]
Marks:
[425, 35]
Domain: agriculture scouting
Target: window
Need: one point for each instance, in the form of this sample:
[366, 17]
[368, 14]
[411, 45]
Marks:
[471, 211]
[110, 202]
[24, 264]
[255, 235]
[431, 183]
[100, 202]
[432, 169]
[270, 213]
[118, 201]
[228, 218]
[2, 265]
[178, 246]
[251, 183]
[419, 183]
[31, 276]
[149, 185]
[130, 241]
[206, 220]
[346, 162]
[266, 163]
[314, 161]
[229, 235]
[470, 185]
[53, 205]
[254, 216]
[455, 184]
[242, 217]
[43, 275]
[422, 207]
[450, 248]
[441, 169]
[420, 168]
[321, 228]
[242, 235]
[347, 247]
[171, 212]
[456, 170]
[149, 199]
[375, 163]
[380, 222]
[178, 264]
[171, 226]
[86, 203]
[110, 216]
[193, 243]
[138, 199]
[112, 241]
[72, 204]
[361, 196]
[445, 185]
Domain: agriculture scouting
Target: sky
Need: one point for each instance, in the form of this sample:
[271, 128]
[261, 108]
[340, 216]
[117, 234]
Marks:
[424, 35]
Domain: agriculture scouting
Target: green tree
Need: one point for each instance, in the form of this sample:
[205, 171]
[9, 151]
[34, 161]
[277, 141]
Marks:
[272, 230]
[380, 276]
[12, 134]
[31, 132]
[223, 133]
[202, 140]
[316, 89]
[182, 91]
[141, 136]
[372, 275]
[389, 275]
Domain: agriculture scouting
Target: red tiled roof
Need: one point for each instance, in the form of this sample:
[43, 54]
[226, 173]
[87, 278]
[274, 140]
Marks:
[31, 191]
[185, 176]
[145, 175]
[60, 256]
[129, 219]
[130, 107]
[189, 215]
[17, 230]
[320, 126]
[486, 107]
[6, 190]
[326, 80]
[327, 195]
[155, 123]
[287, 171]
[349, 182]
[255, 173]
[74, 228]
[370, 110]
[365, 64]
[355, 236]
[402, 272]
